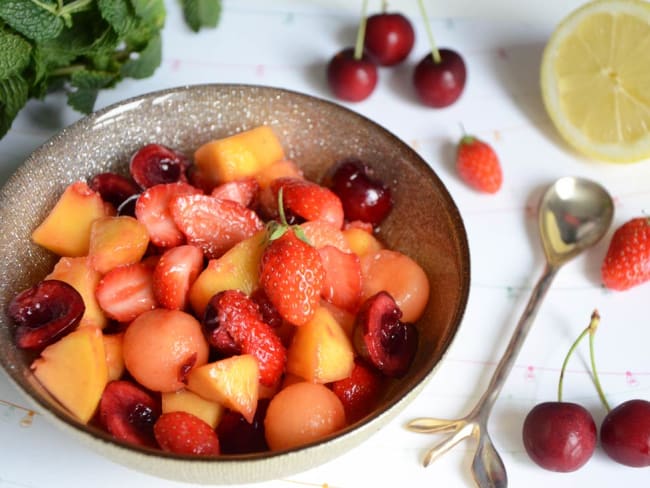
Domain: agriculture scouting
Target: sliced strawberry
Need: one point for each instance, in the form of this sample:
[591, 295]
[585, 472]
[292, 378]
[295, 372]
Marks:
[231, 314]
[126, 291]
[292, 274]
[359, 392]
[152, 209]
[243, 191]
[184, 433]
[342, 283]
[129, 413]
[212, 224]
[309, 200]
[320, 233]
[174, 274]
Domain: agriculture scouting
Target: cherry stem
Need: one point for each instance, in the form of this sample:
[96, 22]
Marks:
[566, 360]
[595, 320]
[361, 33]
[434, 50]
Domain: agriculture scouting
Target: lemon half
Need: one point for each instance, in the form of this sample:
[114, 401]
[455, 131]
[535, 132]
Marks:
[595, 79]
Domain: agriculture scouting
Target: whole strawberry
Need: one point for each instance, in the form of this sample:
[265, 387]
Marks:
[478, 165]
[627, 262]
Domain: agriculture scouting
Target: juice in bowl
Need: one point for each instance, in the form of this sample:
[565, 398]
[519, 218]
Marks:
[423, 225]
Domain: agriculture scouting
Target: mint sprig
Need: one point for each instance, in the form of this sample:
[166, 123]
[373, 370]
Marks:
[82, 47]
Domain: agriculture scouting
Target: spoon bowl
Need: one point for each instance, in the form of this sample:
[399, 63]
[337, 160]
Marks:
[573, 215]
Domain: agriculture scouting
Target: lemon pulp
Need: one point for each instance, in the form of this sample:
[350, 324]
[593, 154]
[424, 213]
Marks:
[595, 79]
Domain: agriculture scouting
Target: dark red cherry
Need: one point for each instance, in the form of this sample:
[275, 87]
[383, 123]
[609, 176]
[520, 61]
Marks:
[349, 78]
[382, 339]
[45, 312]
[559, 436]
[625, 433]
[114, 188]
[237, 436]
[154, 164]
[439, 84]
[129, 413]
[389, 38]
[363, 196]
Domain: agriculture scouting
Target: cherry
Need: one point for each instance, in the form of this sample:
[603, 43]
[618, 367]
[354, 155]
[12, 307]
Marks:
[389, 38]
[237, 436]
[439, 78]
[129, 413]
[154, 164]
[351, 74]
[114, 188]
[45, 312]
[561, 436]
[363, 197]
[215, 319]
[382, 339]
[625, 433]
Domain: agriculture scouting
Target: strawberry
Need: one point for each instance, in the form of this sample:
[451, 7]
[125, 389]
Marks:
[233, 323]
[359, 392]
[243, 191]
[320, 233]
[309, 200]
[292, 274]
[184, 433]
[126, 291]
[212, 224]
[128, 413]
[342, 282]
[152, 210]
[627, 262]
[478, 165]
[174, 274]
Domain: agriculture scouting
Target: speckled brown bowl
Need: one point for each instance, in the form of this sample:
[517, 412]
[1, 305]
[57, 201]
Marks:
[425, 224]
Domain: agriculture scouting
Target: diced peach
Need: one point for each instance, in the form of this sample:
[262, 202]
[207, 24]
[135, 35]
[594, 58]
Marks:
[278, 169]
[115, 241]
[361, 242]
[78, 273]
[186, 401]
[343, 317]
[74, 371]
[66, 229]
[320, 351]
[114, 356]
[233, 382]
[237, 269]
[237, 156]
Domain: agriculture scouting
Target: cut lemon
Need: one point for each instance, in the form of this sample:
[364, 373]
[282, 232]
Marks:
[595, 79]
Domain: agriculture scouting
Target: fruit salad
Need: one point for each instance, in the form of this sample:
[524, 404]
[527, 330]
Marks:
[221, 303]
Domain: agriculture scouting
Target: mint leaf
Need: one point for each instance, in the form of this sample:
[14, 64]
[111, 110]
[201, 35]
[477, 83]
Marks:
[146, 61]
[14, 54]
[83, 100]
[119, 14]
[13, 97]
[201, 13]
[37, 21]
[86, 79]
[151, 12]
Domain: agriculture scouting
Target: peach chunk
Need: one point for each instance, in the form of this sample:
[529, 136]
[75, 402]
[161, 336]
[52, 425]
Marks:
[302, 413]
[237, 156]
[162, 346]
[78, 273]
[66, 229]
[400, 276]
[361, 242]
[320, 351]
[115, 241]
[186, 401]
[74, 371]
[237, 269]
[233, 382]
[114, 355]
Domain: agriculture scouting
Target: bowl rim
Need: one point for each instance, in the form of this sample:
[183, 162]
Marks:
[90, 435]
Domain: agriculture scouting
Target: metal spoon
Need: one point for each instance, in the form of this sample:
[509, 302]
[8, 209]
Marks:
[573, 215]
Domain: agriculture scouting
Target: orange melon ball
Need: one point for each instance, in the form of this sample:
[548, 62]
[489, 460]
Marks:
[400, 276]
[302, 413]
[161, 346]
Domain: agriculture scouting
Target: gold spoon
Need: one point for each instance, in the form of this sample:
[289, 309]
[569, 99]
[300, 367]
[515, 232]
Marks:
[573, 215]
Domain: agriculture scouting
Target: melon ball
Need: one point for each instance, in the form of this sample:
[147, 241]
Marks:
[302, 413]
[161, 347]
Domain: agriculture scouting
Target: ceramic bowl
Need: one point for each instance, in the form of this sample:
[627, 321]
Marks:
[424, 223]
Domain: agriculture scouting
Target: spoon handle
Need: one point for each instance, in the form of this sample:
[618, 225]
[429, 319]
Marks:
[500, 375]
